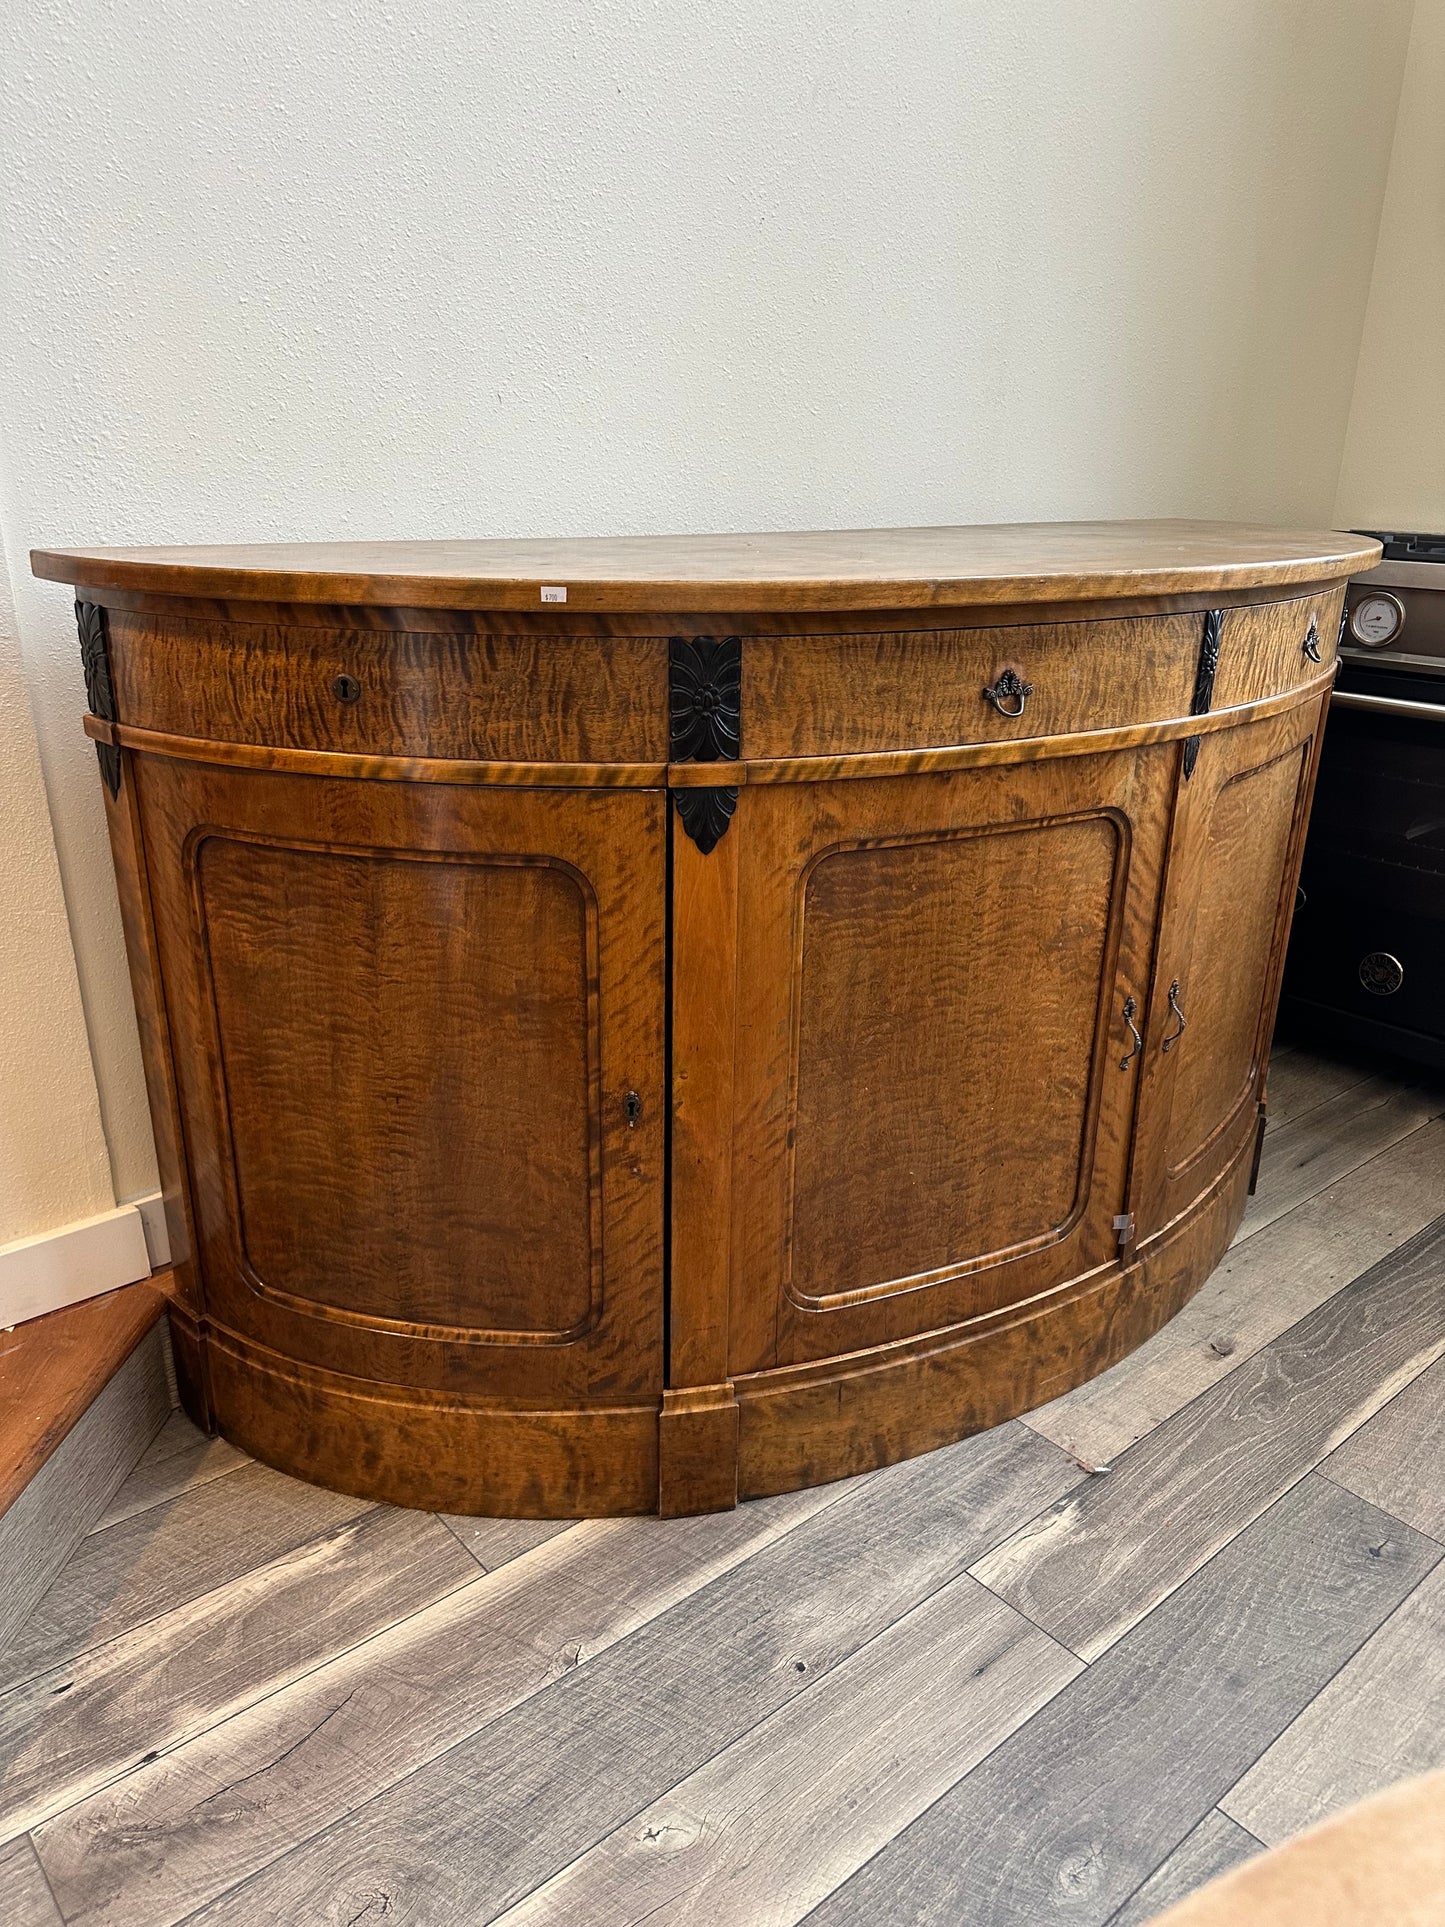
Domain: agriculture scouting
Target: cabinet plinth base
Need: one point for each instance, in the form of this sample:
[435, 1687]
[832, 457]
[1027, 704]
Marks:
[708, 1446]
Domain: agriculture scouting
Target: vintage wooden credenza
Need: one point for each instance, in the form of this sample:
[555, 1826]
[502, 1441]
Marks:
[634, 1024]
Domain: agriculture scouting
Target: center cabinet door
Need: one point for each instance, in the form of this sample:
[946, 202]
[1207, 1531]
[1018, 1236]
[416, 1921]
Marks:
[420, 1055]
[932, 1121]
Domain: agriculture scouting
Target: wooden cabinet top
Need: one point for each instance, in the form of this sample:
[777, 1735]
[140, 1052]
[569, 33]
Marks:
[820, 570]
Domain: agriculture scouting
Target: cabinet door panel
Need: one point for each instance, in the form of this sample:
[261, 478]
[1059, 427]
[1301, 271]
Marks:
[931, 1121]
[410, 1016]
[936, 976]
[1238, 829]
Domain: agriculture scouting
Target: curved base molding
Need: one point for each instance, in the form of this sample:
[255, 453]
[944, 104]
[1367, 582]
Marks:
[798, 1427]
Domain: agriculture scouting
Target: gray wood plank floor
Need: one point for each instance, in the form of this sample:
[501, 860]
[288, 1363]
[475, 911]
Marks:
[982, 1689]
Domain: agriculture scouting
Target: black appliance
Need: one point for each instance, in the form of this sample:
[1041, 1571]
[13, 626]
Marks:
[1366, 961]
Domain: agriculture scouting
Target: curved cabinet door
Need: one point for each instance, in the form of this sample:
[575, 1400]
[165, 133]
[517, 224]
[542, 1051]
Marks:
[931, 1120]
[407, 1021]
[1238, 833]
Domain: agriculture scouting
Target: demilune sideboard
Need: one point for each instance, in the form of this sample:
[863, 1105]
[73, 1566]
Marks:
[636, 1024]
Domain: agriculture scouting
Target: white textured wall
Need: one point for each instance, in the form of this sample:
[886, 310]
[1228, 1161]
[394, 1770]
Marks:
[1393, 474]
[53, 1164]
[542, 266]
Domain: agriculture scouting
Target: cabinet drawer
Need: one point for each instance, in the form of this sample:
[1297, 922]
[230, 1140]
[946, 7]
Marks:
[1262, 649]
[504, 697]
[842, 694]
[839, 695]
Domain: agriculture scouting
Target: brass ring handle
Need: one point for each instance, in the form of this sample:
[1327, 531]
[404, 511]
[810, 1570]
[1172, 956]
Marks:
[1173, 1038]
[1010, 688]
[1130, 1009]
[1312, 641]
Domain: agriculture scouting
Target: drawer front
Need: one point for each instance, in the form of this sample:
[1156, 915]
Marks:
[849, 694]
[389, 692]
[1262, 650]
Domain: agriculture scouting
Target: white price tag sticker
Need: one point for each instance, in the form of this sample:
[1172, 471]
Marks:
[552, 593]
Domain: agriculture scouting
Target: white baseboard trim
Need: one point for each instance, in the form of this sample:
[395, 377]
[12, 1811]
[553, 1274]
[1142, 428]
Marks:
[79, 1260]
[152, 1209]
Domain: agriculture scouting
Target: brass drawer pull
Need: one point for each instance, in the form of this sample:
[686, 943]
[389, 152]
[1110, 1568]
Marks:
[1173, 1038]
[1312, 641]
[1010, 688]
[1130, 1009]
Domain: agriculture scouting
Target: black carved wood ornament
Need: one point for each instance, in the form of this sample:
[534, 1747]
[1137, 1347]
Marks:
[705, 685]
[705, 678]
[99, 690]
[706, 814]
[1204, 675]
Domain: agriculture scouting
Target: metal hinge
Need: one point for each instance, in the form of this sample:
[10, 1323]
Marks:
[1124, 1225]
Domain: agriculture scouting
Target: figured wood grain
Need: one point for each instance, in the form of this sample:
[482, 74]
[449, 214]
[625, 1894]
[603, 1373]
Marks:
[40, 1528]
[1122, 1765]
[771, 1825]
[1215, 1845]
[897, 1165]
[501, 698]
[1260, 1288]
[911, 952]
[822, 569]
[698, 1427]
[375, 1172]
[24, 1894]
[560, 1774]
[1093, 1566]
[180, 1831]
[804, 1422]
[498, 1182]
[1311, 1151]
[70, 1731]
[851, 694]
[409, 1025]
[1397, 1459]
[1380, 1719]
[146, 1565]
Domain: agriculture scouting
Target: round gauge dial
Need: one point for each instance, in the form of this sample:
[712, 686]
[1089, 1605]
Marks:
[1377, 619]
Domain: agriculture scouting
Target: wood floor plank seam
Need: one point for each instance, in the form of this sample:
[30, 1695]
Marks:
[469, 1737]
[826, 1687]
[1358, 1213]
[1108, 1768]
[1436, 1537]
[162, 1497]
[1139, 1911]
[71, 1657]
[102, 1855]
[441, 1521]
[1385, 1706]
[907, 1530]
[773, 1520]
[1424, 1098]
[1064, 1539]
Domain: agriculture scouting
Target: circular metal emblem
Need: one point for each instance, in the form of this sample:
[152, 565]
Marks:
[1380, 973]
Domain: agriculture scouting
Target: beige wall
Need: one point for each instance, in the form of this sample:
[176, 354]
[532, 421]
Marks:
[496, 267]
[1393, 472]
[53, 1164]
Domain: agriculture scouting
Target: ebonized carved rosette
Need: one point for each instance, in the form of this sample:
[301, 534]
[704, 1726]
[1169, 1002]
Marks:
[1204, 675]
[705, 676]
[99, 690]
